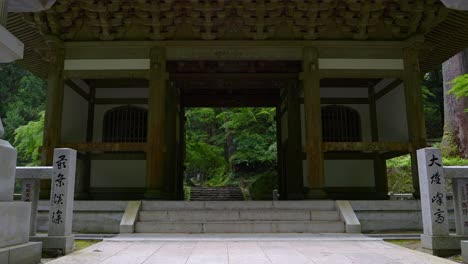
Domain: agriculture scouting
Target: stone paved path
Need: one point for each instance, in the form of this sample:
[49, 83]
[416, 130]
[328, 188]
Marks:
[247, 249]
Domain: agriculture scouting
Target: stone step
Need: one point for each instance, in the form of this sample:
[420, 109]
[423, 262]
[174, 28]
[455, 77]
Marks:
[238, 215]
[322, 205]
[216, 194]
[242, 227]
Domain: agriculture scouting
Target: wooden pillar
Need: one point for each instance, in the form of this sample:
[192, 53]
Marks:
[294, 171]
[312, 109]
[156, 144]
[86, 177]
[380, 166]
[54, 107]
[170, 179]
[414, 109]
[3, 13]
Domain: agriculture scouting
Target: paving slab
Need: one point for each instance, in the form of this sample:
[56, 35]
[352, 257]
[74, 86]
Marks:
[246, 249]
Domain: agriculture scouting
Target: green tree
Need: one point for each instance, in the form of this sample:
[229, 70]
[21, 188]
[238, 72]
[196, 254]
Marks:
[28, 140]
[22, 98]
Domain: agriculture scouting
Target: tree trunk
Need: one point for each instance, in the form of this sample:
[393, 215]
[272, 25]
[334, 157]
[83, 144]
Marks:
[455, 139]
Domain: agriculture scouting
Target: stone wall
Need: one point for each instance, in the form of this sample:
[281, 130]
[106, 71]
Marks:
[383, 216]
[92, 217]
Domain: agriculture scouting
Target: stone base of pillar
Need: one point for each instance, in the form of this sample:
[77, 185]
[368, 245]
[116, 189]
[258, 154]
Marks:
[442, 246]
[56, 245]
[316, 193]
[28, 253]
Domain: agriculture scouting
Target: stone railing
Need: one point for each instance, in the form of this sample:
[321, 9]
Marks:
[62, 176]
[31, 180]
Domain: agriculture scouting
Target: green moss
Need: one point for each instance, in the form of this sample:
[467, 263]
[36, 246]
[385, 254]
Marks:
[187, 190]
[448, 147]
[82, 244]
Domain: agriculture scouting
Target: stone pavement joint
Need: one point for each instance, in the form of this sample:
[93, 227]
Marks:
[254, 249]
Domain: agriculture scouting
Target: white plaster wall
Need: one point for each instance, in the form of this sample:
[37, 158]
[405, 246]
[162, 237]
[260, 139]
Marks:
[74, 118]
[118, 173]
[122, 93]
[337, 92]
[391, 116]
[349, 173]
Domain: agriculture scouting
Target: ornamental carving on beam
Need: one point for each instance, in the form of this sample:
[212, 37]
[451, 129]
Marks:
[85, 20]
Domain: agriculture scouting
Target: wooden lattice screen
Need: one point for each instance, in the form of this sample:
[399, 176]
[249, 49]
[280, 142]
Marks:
[125, 124]
[340, 124]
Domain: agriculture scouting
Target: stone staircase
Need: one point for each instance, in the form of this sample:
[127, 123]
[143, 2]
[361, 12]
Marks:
[239, 217]
[216, 194]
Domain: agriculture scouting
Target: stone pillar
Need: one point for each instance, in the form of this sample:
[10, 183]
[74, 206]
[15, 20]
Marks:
[30, 193]
[60, 237]
[414, 107]
[313, 121]
[434, 204]
[433, 195]
[459, 176]
[8, 156]
[156, 145]
[54, 108]
[14, 215]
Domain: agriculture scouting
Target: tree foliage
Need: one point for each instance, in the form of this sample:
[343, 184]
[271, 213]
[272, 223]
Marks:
[22, 100]
[28, 140]
[223, 143]
[460, 87]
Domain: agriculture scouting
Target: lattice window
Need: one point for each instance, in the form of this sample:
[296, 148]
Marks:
[340, 124]
[125, 124]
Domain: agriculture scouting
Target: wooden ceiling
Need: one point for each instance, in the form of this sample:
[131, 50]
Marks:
[445, 31]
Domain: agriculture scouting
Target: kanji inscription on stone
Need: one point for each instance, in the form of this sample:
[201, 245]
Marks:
[433, 194]
[63, 189]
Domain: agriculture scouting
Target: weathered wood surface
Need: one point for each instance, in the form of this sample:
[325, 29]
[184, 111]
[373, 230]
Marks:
[105, 147]
[156, 141]
[253, 20]
[414, 108]
[366, 146]
[313, 118]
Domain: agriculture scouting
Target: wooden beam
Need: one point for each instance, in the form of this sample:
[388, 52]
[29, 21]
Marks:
[235, 76]
[156, 152]
[120, 101]
[230, 100]
[121, 83]
[118, 156]
[97, 147]
[313, 122]
[388, 88]
[90, 121]
[366, 146]
[373, 113]
[77, 89]
[333, 100]
[360, 73]
[235, 49]
[106, 74]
